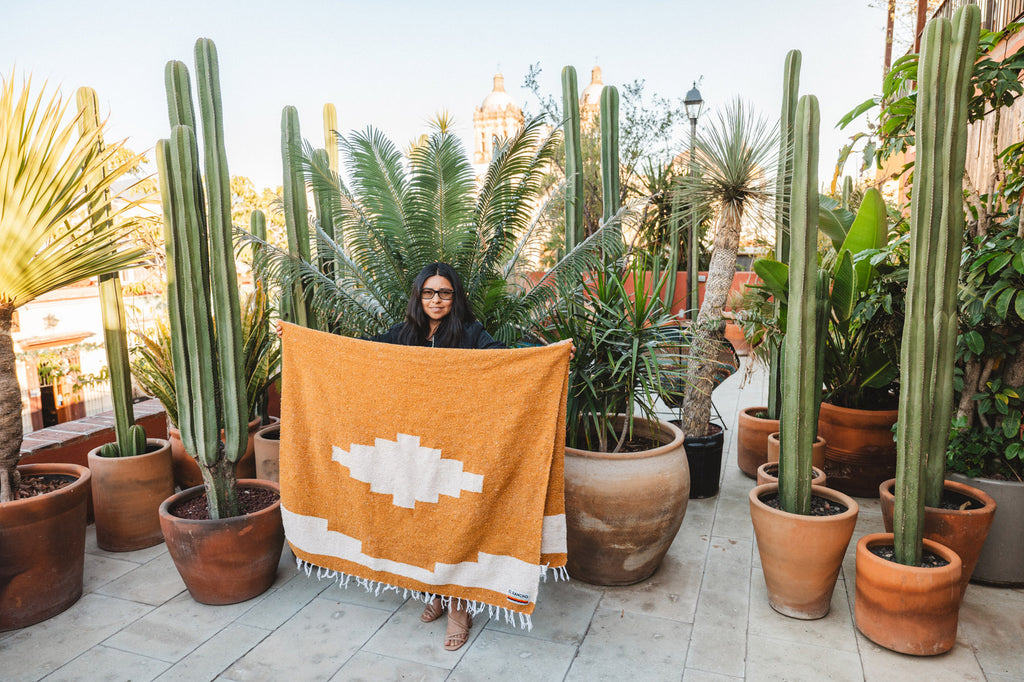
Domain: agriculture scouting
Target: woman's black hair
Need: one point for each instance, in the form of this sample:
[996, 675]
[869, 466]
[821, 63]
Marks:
[417, 324]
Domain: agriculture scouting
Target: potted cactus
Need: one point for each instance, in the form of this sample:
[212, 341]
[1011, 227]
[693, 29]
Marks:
[802, 533]
[910, 603]
[228, 549]
[131, 476]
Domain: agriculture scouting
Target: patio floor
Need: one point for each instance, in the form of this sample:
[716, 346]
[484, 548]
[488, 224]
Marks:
[703, 616]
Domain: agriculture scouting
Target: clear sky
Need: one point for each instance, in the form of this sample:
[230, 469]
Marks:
[394, 65]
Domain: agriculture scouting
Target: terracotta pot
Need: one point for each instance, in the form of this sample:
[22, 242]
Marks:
[623, 510]
[817, 451]
[126, 494]
[186, 471]
[801, 555]
[769, 473]
[268, 453]
[225, 561]
[907, 609]
[860, 451]
[752, 439]
[42, 548]
[963, 531]
[734, 335]
[1001, 561]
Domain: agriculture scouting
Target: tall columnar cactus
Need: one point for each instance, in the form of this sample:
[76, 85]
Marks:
[324, 215]
[936, 231]
[130, 437]
[847, 196]
[331, 146]
[202, 285]
[295, 211]
[611, 200]
[783, 185]
[574, 229]
[800, 394]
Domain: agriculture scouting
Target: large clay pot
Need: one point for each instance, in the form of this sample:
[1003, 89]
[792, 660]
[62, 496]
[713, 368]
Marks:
[42, 548]
[907, 609]
[817, 451]
[186, 471]
[225, 561]
[1001, 561]
[769, 473]
[126, 494]
[962, 530]
[268, 453]
[752, 439]
[734, 335]
[860, 451]
[704, 458]
[623, 510]
[801, 555]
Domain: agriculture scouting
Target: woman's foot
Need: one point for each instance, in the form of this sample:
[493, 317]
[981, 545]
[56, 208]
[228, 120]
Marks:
[459, 623]
[433, 610]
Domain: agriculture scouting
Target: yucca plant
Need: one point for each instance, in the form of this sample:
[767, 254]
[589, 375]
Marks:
[51, 189]
[400, 212]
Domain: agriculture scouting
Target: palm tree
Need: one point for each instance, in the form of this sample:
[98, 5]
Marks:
[731, 159]
[52, 182]
[399, 212]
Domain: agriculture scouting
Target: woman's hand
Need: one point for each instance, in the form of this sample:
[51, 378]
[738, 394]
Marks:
[278, 328]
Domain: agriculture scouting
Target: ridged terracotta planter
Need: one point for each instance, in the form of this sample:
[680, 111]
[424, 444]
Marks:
[225, 561]
[623, 510]
[752, 439]
[1001, 561]
[42, 549]
[907, 609]
[817, 451]
[962, 530]
[860, 451]
[769, 473]
[186, 471]
[268, 453]
[801, 555]
[126, 495]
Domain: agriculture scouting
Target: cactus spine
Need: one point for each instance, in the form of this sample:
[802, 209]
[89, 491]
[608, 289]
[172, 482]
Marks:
[295, 210]
[574, 230]
[937, 223]
[208, 360]
[115, 336]
[800, 344]
[783, 189]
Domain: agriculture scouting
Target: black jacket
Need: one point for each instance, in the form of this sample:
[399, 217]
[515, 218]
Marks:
[473, 336]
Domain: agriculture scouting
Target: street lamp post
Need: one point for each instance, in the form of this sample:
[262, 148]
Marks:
[693, 104]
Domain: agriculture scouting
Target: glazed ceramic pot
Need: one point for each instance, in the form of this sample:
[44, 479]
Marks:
[225, 561]
[962, 530]
[860, 451]
[126, 494]
[908, 609]
[623, 510]
[801, 555]
[186, 471]
[42, 548]
[769, 473]
[817, 451]
[1001, 561]
[268, 453]
[752, 439]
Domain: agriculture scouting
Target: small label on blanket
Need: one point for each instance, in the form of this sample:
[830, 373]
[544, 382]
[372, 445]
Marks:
[518, 597]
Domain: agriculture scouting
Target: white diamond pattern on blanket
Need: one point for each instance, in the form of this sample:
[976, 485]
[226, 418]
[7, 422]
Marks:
[406, 471]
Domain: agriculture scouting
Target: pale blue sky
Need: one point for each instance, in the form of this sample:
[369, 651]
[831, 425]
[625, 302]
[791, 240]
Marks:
[395, 64]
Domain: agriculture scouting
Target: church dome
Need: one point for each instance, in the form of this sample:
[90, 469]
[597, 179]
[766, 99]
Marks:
[592, 93]
[498, 100]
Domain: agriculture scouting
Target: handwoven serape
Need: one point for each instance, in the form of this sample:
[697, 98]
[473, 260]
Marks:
[436, 471]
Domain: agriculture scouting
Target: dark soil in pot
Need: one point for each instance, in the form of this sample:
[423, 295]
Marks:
[249, 500]
[40, 485]
[928, 560]
[819, 505]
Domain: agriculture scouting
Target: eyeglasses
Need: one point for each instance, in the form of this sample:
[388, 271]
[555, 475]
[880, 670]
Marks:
[445, 294]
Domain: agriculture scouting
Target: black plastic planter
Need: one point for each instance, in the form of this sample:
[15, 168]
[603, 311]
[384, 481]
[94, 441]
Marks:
[704, 455]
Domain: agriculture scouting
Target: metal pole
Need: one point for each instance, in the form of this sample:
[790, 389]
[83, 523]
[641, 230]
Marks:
[692, 269]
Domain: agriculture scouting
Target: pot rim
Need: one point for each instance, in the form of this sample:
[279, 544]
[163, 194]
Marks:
[886, 489]
[847, 410]
[765, 466]
[748, 412]
[674, 444]
[776, 436]
[852, 508]
[988, 481]
[51, 468]
[197, 490]
[875, 539]
[276, 426]
[95, 452]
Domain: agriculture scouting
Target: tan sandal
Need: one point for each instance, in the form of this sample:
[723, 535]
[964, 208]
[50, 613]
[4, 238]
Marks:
[453, 641]
[433, 610]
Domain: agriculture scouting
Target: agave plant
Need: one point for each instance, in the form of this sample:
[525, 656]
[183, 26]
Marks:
[400, 212]
[53, 185]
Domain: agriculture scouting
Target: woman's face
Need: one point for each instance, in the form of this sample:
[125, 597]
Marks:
[435, 307]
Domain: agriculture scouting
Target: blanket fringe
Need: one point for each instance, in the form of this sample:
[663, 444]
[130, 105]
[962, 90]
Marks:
[473, 607]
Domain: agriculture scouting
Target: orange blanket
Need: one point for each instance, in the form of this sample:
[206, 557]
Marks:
[431, 470]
